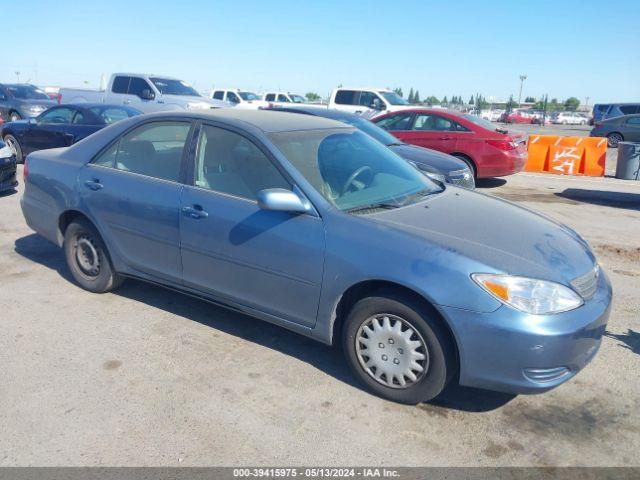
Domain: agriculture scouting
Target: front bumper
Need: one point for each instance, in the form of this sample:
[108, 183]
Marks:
[514, 352]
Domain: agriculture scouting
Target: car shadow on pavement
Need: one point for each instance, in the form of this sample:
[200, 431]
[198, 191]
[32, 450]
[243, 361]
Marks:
[323, 357]
[629, 340]
[8, 193]
[625, 200]
[492, 182]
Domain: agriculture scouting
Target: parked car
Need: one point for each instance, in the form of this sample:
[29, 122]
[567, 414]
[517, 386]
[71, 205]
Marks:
[239, 98]
[61, 126]
[568, 118]
[489, 151]
[8, 179]
[147, 93]
[517, 116]
[23, 100]
[491, 115]
[604, 111]
[367, 102]
[618, 129]
[434, 164]
[313, 225]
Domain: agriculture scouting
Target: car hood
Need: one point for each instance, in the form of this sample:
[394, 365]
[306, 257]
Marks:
[425, 156]
[502, 236]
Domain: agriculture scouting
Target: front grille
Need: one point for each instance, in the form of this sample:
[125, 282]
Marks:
[542, 375]
[462, 178]
[587, 284]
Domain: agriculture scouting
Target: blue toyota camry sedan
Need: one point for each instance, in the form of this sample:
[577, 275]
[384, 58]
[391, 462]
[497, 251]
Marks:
[313, 225]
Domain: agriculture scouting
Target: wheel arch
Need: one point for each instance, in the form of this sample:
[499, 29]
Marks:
[367, 288]
[65, 219]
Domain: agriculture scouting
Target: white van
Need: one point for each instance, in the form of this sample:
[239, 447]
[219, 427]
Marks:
[368, 102]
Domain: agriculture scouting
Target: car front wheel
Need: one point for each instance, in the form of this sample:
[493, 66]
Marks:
[13, 144]
[88, 259]
[398, 348]
[613, 139]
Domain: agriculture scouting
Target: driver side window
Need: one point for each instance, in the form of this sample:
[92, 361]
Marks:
[59, 115]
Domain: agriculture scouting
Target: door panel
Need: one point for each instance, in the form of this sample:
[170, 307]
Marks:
[49, 130]
[270, 261]
[139, 217]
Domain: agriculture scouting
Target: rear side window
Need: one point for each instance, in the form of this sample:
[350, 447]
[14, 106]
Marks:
[346, 97]
[635, 121]
[154, 149]
[629, 109]
[218, 94]
[602, 108]
[120, 84]
[111, 114]
[399, 121]
[433, 123]
[137, 85]
[270, 97]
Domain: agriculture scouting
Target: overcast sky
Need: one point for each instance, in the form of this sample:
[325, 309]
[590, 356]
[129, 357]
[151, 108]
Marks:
[566, 48]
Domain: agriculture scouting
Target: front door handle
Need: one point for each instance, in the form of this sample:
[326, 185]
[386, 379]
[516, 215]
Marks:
[194, 211]
[94, 184]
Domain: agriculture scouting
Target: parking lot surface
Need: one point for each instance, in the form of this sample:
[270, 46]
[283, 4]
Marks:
[145, 376]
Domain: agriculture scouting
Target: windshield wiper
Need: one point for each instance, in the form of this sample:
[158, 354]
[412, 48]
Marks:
[372, 206]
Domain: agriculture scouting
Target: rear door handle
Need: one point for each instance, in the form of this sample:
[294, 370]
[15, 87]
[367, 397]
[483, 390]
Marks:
[94, 184]
[195, 211]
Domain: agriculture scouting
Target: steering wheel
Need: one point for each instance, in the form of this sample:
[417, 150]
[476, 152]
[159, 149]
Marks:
[355, 175]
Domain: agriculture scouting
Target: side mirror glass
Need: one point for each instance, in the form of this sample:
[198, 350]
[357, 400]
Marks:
[148, 94]
[281, 200]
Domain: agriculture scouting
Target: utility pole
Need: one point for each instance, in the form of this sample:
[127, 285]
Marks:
[522, 79]
[17, 77]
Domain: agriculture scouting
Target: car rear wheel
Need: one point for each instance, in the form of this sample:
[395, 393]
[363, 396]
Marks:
[13, 144]
[398, 349]
[88, 259]
[613, 139]
[14, 117]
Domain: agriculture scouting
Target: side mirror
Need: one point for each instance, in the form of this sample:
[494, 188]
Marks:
[32, 121]
[148, 94]
[281, 200]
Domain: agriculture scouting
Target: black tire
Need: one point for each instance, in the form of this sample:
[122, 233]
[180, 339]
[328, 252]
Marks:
[97, 274]
[613, 139]
[14, 145]
[14, 116]
[439, 349]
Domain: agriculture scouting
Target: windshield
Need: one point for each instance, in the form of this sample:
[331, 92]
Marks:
[169, 86]
[248, 96]
[351, 169]
[393, 98]
[297, 98]
[27, 92]
[479, 121]
[372, 130]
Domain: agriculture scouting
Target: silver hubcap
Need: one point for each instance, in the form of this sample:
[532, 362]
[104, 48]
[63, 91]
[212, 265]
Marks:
[87, 256]
[614, 139]
[391, 351]
[12, 145]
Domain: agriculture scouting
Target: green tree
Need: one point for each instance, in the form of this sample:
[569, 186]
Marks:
[445, 101]
[416, 97]
[530, 100]
[410, 98]
[432, 100]
[398, 90]
[511, 104]
[471, 100]
[571, 103]
[312, 96]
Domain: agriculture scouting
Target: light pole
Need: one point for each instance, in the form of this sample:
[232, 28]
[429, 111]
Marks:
[522, 79]
[17, 77]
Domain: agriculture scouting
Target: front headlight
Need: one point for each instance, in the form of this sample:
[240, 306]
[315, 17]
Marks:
[435, 176]
[529, 295]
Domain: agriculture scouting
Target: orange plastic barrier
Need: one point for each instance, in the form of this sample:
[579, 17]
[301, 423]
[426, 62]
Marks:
[567, 155]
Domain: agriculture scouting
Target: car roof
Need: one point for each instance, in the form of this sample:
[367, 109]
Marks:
[436, 111]
[331, 113]
[269, 121]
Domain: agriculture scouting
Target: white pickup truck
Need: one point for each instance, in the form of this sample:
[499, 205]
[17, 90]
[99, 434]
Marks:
[242, 99]
[147, 93]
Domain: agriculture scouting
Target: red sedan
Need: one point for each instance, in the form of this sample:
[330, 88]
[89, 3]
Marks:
[489, 151]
